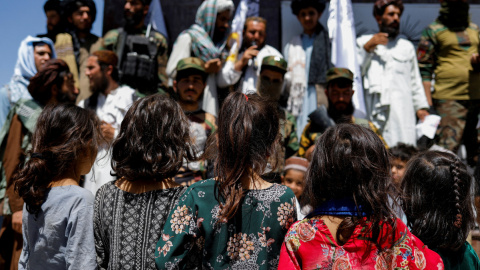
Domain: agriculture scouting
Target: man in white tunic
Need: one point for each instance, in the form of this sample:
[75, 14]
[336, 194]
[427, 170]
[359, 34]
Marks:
[393, 89]
[110, 101]
[309, 58]
[246, 69]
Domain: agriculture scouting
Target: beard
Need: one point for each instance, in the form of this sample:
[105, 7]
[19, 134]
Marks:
[100, 85]
[343, 116]
[271, 91]
[132, 21]
[392, 29]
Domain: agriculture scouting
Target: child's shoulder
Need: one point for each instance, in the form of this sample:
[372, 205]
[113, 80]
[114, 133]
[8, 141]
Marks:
[284, 193]
[72, 193]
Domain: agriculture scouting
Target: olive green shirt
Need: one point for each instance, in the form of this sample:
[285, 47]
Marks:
[447, 55]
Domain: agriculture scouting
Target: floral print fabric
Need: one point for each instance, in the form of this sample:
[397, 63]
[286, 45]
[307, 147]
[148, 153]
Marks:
[310, 245]
[250, 240]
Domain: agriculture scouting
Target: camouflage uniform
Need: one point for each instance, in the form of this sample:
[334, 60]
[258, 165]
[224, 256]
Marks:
[202, 125]
[309, 138]
[110, 41]
[456, 95]
[288, 145]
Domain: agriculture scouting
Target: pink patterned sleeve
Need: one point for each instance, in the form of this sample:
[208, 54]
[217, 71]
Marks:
[288, 256]
[288, 260]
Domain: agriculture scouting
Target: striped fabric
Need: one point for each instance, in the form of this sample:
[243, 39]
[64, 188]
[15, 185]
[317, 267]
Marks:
[202, 31]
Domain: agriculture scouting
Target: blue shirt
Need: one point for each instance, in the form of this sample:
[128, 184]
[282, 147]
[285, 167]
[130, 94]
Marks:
[61, 236]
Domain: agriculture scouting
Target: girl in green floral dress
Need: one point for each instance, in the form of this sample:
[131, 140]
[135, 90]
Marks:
[237, 220]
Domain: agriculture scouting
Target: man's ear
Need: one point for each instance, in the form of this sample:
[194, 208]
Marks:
[175, 86]
[145, 9]
[353, 92]
[70, 20]
[378, 19]
[54, 90]
[109, 70]
[53, 97]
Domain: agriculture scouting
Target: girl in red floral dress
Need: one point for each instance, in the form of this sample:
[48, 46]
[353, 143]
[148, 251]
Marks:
[353, 225]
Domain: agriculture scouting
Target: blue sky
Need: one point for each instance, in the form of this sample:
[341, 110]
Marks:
[20, 18]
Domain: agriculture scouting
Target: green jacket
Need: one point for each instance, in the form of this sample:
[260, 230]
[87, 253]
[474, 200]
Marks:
[28, 112]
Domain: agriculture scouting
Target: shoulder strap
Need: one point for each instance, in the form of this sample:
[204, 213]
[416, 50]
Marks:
[152, 44]
[122, 39]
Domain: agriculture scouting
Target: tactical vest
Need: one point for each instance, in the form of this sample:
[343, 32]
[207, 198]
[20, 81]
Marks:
[137, 63]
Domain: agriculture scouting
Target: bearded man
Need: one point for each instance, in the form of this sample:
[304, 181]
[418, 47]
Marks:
[339, 92]
[244, 72]
[133, 42]
[270, 85]
[394, 94]
[110, 102]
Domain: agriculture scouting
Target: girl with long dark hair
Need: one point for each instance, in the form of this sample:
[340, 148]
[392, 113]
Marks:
[353, 225]
[130, 212]
[58, 213]
[237, 220]
[438, 203]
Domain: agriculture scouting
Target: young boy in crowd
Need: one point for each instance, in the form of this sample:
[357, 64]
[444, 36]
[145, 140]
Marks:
[400, 155]
[189, 86]
[294, 178]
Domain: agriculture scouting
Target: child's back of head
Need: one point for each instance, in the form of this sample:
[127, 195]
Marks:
[437, 200]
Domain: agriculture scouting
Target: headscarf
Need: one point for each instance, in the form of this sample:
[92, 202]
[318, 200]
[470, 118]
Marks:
[202, 31]
[25, 66]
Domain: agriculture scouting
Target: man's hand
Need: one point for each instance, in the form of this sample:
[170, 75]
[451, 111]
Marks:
[249, 53]
[17, 222]
[422, 113]
[378, 38]
[213, 65]
[475, 59]
[108, 131]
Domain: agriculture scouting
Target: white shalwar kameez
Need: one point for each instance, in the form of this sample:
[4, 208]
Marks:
[393, 88]
[248, 83]
[111, 109]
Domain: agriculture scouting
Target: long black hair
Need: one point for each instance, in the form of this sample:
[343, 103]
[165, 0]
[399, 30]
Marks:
[64, 135]
[437, 199]
[153, 141]
[248, 128]
[350, 161]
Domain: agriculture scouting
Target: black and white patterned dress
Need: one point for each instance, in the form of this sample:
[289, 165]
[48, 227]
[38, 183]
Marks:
[127, 226]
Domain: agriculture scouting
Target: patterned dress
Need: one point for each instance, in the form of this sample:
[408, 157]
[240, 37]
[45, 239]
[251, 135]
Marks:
[127, 226]
[250, 240]
[310, 245]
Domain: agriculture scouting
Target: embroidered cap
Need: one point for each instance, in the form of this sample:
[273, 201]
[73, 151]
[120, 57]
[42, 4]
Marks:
[337, 73]
[297, 163]
[276, 62]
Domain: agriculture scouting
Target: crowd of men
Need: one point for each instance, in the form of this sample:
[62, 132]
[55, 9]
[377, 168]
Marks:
[108, 74]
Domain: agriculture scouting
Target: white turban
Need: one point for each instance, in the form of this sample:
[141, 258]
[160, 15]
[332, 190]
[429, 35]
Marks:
[223, 5]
